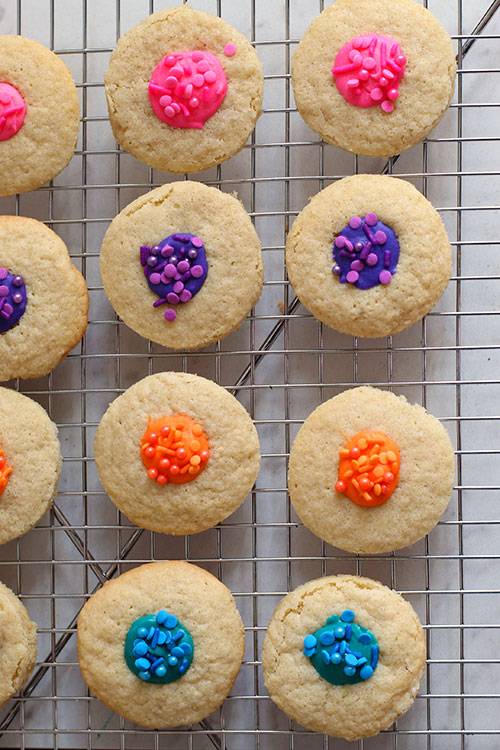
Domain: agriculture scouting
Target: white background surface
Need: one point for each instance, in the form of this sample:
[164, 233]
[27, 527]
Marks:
[449, 362]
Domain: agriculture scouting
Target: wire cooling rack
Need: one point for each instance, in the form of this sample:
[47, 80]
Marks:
[281, 364]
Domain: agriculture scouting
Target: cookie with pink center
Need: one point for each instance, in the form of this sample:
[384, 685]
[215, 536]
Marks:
[184, 90]
[374, 76]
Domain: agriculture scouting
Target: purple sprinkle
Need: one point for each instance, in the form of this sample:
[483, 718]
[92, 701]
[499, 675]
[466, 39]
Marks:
[18, 281]
[152, 261]
[352, 277]
[159, 302]
[196, 242]
[186, 276]
[8, 309]
[3, 274]
[349, 245]
[355, 222]
[178, 276]
[183, 266]
[358, 246]
[340, 241]
[370, 236]
[182, 252]
[170, 315]
[193, 254]
[144, 259]
[380, 237]
[387, 259]
[170, 270]
[174, 260]
[371, 219]
[155, 250]
[2, 302]
[167, 251]
[385, 277]
[197, 271]
[178, 287]
[155, 278]
[186, 295]
[357, 265]
[347, 255]
[172, 298]
[372, 260]
[5, 314]
[337, 270]
[4, 291]
[17, 298]
[366, 251]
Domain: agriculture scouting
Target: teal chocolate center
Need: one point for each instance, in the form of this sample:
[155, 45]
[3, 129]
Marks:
[342, 652]
[158, 648]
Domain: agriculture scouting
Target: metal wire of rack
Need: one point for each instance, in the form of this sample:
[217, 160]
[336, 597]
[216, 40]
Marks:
[280, 364]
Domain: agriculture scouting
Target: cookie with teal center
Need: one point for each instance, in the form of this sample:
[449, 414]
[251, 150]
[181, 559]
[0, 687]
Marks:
[342, 651]
[158, 648]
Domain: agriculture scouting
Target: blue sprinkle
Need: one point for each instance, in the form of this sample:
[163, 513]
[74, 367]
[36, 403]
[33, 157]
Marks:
[170, 621]
[349, 671]
[142, 663]
[308, 651]
[172, 660]
[157, 663]
[183, 666]
[326, 638]
[348, 650]
[151, 657]
[339, 632]
[365, 672]
[150, 634]
[161, 671]
[365, 638]
[335, 648]
[180, 634]
[141, 649]
[348, 632]
[162, 637]
[362, 661]
[142, 632]
[342, 648]
[178, 651]
[161, 616]
[154, 641]
[335, 658]
[144, 675]
[351, 660]
[310, 641]
[168, 636]
[356, 653]
[347, 615]
[374, 659]
[137, 640]
[186, 648]
[325, 656]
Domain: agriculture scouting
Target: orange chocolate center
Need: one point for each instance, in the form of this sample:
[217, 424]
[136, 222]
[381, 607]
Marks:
[5, 470]
[174, 449]
[369, 468]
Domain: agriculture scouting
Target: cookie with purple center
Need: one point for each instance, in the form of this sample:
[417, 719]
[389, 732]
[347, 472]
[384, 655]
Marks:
[369, 256]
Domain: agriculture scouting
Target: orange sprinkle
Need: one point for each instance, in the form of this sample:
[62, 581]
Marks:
[174, 436]
[370, 478]
[5, 472]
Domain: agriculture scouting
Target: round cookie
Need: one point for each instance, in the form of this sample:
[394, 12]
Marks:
[43, 299]
[18, 650]
[417, 492]
[373, 697]
[369, 256]
[217, 454]
[30, 463]
[210, 237]
[39, 115]
[395, 48]
[177, 597]
[184, 90]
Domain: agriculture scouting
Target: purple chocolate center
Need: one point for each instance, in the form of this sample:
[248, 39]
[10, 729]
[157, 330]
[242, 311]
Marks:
[365, 253]
[175, 269]
[12, 299]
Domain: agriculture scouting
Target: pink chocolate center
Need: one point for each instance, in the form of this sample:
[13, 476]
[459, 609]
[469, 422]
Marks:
[187, 88]
[368, 71]
[12, 111]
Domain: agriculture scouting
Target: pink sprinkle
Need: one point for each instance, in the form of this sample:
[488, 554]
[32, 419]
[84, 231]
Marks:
[357, 265]
[4, 291]
[202, 66]
[366, 42]
[344, 68]
[179, 91]
[197, 55]
[357, 42]
[383, 54]
[210, 76]
[196, 242]
[171, 82]
[380, 237]
[353, 83]
[355, 57]
[355, 222]
[369, 63]
[170, 270]
[349, 245]
[155, 278]
[194, 102]
[186, 295]
[383, 82]
[385, 277]
[176, 107]
[177, 72]
[178, 287]
[197, 271]
[165, 100]
[388, 74]
[401, 60]
[170, 60]
[373, 44]
[229, 49]
[394, 49]
[172, 298]
[198, 80]
[189, 90]
[387, 106]
[364, 75]
[372, 260]
[5, 97]
[187, 70]
[340, 241]
[352, 277]
[183, 266]
[392, 94]
[371, 219]
[170, 111]
[3, 273]
[170, 315]
[376, 94]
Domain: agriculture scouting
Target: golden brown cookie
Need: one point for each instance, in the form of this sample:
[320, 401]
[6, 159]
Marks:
[207, 272]
[43, 299]
[189, 675]
[39, 115]
[30, 463]
[402, 490]
[304, 670]
[208, 111]
[369, 256]
[394, 48]
[177, 453]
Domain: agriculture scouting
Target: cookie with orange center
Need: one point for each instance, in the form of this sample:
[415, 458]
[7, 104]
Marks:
[165, 448]
[383, 471]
